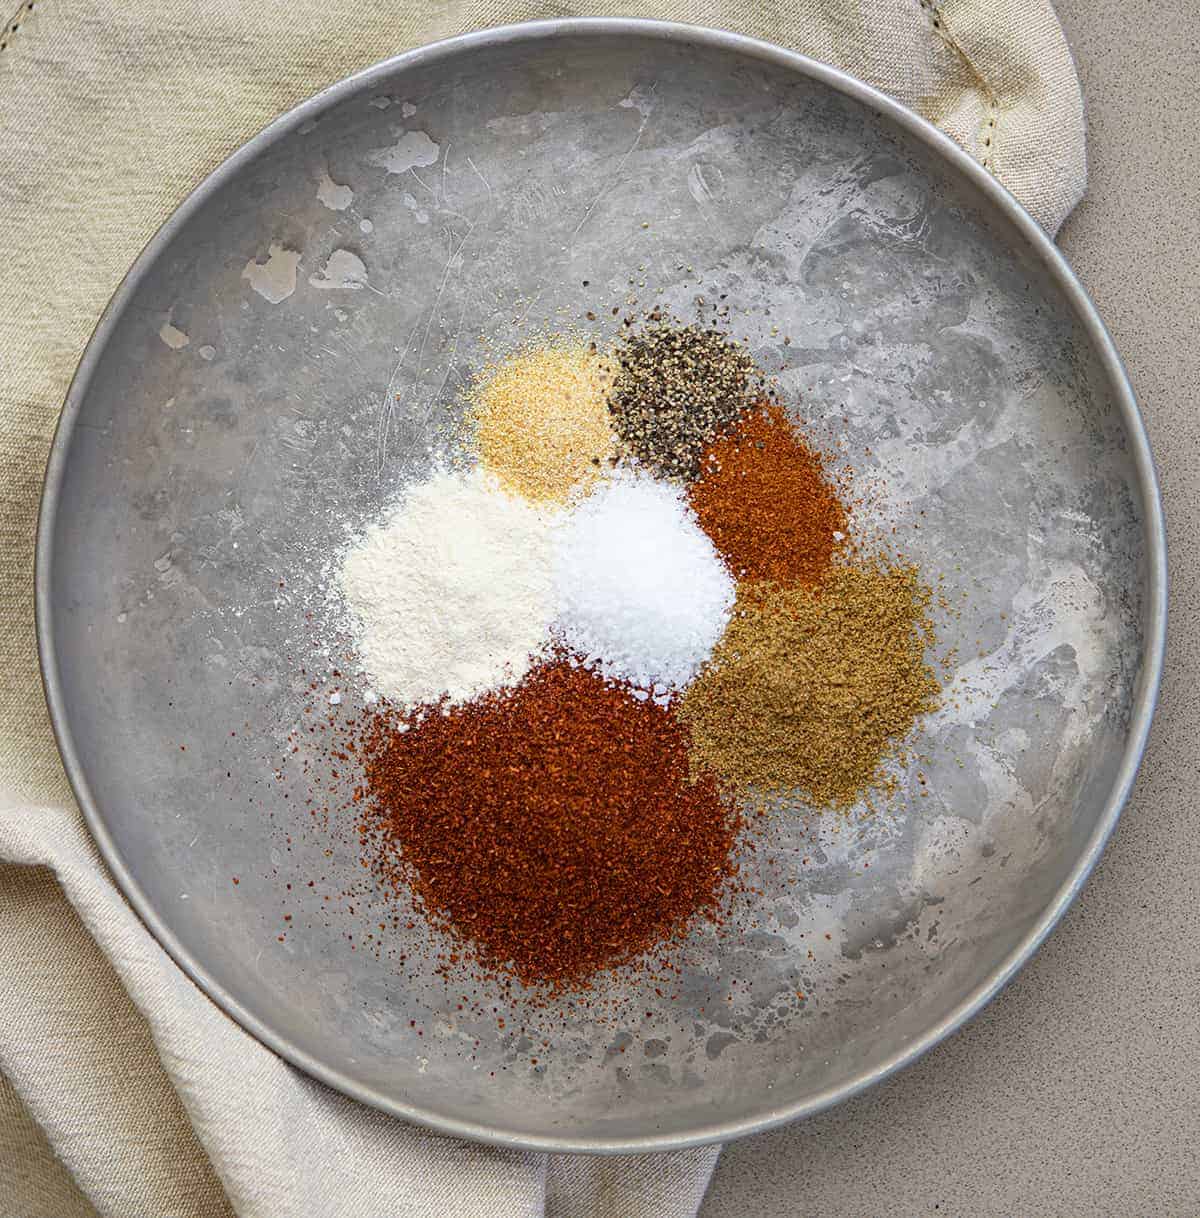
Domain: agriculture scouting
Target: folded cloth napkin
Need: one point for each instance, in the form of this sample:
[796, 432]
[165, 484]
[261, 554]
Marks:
[123, 1090]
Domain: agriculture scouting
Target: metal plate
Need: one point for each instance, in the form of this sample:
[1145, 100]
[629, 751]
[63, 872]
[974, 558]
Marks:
[231, 418]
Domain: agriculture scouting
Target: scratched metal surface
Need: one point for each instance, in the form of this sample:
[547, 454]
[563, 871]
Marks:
[278, 369]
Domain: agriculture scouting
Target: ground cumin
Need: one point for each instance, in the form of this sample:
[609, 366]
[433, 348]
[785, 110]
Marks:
[810, 690]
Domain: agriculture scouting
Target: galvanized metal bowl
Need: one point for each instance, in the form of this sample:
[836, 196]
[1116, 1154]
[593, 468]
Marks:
[272, 371]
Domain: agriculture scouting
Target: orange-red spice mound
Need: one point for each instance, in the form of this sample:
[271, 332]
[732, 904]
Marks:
[553, 824]
[764, 499]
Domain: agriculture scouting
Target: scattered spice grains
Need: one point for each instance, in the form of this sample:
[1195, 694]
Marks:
[763, 498]
[809, 689]
[674, 388]
[554, 825]
[541, 421]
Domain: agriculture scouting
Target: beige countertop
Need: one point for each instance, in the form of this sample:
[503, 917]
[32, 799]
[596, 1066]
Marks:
[1077, 1092]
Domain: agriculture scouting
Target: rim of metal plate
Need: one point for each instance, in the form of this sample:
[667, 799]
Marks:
[1041, 247]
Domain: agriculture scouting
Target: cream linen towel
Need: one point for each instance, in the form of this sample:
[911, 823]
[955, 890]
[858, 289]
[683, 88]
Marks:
[122, 1089]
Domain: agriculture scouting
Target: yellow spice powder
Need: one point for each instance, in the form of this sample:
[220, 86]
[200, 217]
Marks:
[541, 421]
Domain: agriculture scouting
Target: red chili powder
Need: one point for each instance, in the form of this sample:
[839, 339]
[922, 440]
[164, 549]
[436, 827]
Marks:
[554, 824]
[763, 498]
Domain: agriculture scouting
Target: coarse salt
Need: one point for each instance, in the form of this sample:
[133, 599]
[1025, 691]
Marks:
[644, 597]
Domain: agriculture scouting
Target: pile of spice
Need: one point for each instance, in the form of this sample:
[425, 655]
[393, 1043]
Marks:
[809, 688]
[541, 421]
[638, 617]
[643, 595]
[763, 497]
[554, 825]
[453, 591]
[674, 388]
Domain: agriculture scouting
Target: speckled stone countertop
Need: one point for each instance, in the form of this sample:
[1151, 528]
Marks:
[1075, 1092]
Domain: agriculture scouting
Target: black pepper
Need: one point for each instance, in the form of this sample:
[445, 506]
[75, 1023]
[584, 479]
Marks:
[675, 388]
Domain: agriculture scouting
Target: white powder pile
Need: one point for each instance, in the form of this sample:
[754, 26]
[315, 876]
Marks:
[644, 596]
[453, 592]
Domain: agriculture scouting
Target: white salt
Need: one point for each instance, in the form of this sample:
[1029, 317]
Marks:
[643, 595]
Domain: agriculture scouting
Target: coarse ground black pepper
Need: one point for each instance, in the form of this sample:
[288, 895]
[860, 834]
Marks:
[675, 388]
